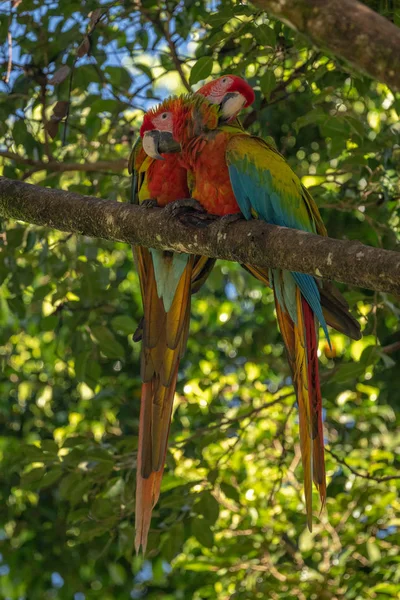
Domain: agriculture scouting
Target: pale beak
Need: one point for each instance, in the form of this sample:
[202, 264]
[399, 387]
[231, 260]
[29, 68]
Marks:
[150, 144]
[157, 142]
[232, 103]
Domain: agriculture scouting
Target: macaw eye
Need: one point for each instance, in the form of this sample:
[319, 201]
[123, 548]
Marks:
[224, 79]
[164, 116]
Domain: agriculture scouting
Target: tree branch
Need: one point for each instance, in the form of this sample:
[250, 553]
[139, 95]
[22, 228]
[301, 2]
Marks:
[343, 462]
[348, 29]
[251, 242]
[61, 167]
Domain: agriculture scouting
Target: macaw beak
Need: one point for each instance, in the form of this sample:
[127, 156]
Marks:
[232, 104]
[157, 142]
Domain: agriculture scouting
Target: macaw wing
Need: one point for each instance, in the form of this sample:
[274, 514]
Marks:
[264, 183]
[266, 188]
[138, 165]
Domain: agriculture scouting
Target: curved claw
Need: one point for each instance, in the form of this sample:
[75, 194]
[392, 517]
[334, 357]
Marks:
[233, 218]
[179, 207]
[138, 335]
[189, 212]
[149, 203]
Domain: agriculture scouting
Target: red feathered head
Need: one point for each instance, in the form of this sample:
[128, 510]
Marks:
[230, 91]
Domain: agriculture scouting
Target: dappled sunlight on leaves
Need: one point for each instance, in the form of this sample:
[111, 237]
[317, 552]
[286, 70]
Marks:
[230, 522]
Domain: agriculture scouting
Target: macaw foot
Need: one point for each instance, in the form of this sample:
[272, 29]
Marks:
[182, 207]
[138, 335]
[228, 219]
[150, 203]
[189, 212]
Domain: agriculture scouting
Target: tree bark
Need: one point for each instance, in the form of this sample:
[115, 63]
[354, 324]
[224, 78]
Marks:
[348, 29]
[252, 242]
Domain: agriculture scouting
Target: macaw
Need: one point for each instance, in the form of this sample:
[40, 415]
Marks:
[235, 172]
[167, 281]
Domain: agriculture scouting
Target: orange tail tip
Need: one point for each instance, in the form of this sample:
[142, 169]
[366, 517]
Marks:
[147, 494]
[149, 475]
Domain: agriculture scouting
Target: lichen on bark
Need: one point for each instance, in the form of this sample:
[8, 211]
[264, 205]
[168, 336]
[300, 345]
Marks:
[251, 242]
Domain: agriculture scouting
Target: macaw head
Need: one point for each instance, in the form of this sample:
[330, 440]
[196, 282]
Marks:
[177, 120]
[164, 126]
[231, 92]
[160, 127]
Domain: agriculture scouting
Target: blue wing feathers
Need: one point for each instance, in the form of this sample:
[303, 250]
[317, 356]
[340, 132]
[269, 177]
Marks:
[256, 191]
[310, 291]
[240, 193]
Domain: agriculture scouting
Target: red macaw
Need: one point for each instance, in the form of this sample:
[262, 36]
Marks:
[167, 280]
[234, 172]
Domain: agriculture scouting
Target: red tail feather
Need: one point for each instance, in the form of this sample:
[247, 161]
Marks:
[314, 393]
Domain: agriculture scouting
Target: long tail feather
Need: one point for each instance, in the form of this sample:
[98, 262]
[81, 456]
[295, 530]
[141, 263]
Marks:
[314, 391]
[148, 488]
[293, 338]
[334, 307]
[305, 416]
[164, 335]
[301, 344]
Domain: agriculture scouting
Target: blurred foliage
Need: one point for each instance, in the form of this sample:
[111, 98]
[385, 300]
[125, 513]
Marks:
[231, 520]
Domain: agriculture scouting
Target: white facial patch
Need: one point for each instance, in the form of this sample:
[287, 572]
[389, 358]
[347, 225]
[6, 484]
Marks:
[150, 145]
[233, 106]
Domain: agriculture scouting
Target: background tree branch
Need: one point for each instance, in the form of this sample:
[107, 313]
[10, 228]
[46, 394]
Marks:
[54, 166]
[247, 242]
[348, 29]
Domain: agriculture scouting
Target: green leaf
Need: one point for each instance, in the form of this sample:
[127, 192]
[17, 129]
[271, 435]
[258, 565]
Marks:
[68, 484]
[124, 324]
[374, 553]
[220, 18]
[102, 508]
[119, 77]
[92, 529]
[311, 118]
[201, 70]
[202, 532]
[335, 127]
[230, 491]
[107, 342]
[33, 476]
[80, 365]
[117, 573]
[77, 491]
[142, 37]
[92, 373]
[49, 446]
[349, 371]
[265, 35]
[369, 356]
[208, 507]
[145, 69]
[268, 83]
[173, 542]
[50, 477]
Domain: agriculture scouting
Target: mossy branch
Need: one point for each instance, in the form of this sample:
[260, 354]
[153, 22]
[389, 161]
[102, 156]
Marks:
[348, 29]
[251, 242]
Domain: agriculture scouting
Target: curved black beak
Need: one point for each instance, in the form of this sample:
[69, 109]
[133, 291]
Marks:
[157, 142]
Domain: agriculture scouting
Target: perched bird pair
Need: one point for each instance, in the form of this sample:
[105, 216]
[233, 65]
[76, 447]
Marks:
[205, 154]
